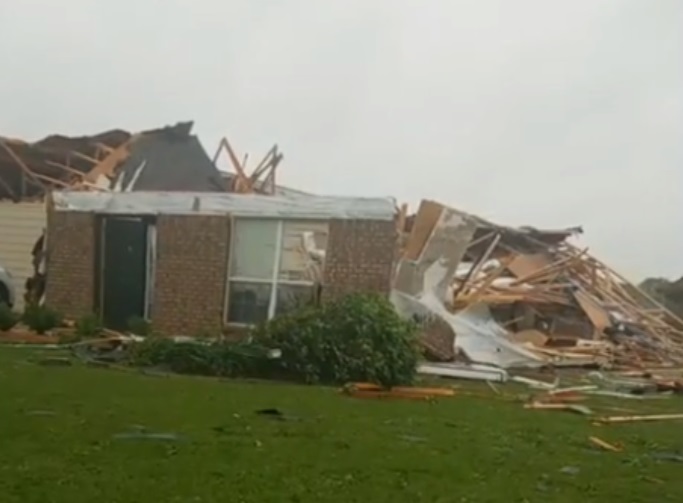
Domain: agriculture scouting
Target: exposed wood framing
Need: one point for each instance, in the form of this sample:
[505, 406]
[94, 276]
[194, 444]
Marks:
[27, 171]
[261, 180]
[107, 166]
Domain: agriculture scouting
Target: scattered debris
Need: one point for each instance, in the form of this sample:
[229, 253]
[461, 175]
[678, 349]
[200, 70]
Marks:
[413, 439]
[368, 390]
[579, 409]
[525, 298]
[668, 456]
[604, 445]
[570, 470]
[55, 361]
[41, 413]
[637, 419]
[277, 414]
[464, 371]
[139, 435]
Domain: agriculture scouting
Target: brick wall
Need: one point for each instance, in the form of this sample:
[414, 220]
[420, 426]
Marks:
[360, 257]
[189, 288]
[70, 283]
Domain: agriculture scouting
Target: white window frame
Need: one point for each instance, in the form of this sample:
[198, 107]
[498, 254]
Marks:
[274, 281]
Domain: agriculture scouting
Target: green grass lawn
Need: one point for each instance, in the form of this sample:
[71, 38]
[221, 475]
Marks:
[58, 427]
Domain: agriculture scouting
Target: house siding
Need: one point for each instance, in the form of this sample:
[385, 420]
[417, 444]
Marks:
[71, 242]
[191, 272]
[21, 224]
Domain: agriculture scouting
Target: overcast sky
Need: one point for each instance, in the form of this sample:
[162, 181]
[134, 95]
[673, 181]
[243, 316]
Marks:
[529, 112]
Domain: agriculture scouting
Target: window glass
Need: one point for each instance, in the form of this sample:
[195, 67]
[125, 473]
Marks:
[253, 248]
[291, 297]
[248, 302]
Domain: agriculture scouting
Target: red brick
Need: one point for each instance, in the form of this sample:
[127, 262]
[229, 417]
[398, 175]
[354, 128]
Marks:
[360, 257]
[70, 285]
[191, 270]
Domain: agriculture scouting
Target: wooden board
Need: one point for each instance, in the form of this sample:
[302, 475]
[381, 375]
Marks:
[425, 220]
[595, 313]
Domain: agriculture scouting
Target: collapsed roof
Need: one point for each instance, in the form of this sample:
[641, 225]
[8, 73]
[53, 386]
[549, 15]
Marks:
[524, 298]
[168, 158]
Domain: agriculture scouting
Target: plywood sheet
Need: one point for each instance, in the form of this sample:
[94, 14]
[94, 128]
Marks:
[595, 312]
[440, 257]
[428, 215]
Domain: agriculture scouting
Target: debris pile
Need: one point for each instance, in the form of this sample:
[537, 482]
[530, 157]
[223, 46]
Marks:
[511, 298]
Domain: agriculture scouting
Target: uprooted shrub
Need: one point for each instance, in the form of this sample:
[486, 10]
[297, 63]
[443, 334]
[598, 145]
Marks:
[41, 318]
[8, 317]
[358, 338]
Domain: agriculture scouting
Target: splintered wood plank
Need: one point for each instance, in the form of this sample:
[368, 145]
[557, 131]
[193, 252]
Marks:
[427, 216]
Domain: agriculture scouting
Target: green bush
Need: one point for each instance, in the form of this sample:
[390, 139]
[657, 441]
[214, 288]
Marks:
[8, 318]
[88, 327]
[358, 338]
[139, 326]
[41, 318]
[243, 359]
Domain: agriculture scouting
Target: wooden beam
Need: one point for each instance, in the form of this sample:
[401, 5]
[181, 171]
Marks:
[53, 180]
[242, 181]
[21, 164]
[66, 168]
[108, 165]
[265, 163]
[476, 267]
[84, 157]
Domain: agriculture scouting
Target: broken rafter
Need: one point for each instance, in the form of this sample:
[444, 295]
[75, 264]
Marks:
[241, 183]
[53, 181]
[27, 171]
[84, 157]
[108, 165]
[66, 168]
[265, 163]
[476, 267]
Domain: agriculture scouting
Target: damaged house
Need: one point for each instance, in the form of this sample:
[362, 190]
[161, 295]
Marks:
[165, 159]
[197, 262]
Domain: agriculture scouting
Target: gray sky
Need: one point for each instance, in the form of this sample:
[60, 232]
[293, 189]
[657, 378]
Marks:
[529, 112]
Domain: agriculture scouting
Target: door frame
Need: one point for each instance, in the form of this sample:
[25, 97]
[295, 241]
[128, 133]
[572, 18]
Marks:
[150, 258]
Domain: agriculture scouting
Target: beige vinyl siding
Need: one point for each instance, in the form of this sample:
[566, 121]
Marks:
[20, 226]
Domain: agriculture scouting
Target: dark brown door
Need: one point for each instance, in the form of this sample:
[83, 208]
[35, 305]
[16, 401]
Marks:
[123, 269]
